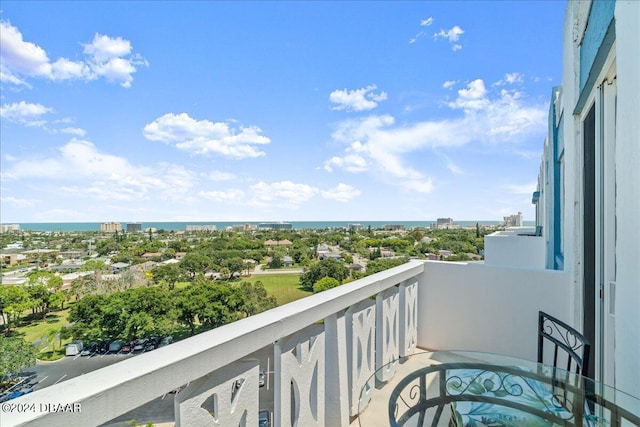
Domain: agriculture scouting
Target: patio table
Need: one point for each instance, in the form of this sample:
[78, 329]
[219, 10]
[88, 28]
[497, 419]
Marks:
[462, 388]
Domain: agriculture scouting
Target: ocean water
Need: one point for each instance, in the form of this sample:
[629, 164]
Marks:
[297, 225]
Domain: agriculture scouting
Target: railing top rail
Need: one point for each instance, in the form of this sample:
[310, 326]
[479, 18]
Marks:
[123, 386]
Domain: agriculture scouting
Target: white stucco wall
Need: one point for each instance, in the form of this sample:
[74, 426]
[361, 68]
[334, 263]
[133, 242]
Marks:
[572, 214]
[627, 185]
[483, 308]
[627, 303]
[512, 250]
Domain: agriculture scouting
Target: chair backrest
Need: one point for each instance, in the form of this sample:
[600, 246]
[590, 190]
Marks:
[568, 348]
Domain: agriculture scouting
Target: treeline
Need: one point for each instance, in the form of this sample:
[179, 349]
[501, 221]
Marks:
[40, 294]
[146, 311]
[329, 273]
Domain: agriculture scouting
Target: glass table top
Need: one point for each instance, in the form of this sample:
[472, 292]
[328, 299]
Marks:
[462, 388]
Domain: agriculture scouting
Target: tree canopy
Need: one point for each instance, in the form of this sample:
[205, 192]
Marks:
[146, 311]
[15, 355]
[328, 267]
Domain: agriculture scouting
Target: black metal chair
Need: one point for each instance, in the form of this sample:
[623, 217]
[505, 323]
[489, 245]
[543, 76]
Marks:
[569, 347]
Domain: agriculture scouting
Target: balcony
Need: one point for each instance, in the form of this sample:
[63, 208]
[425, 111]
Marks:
[522, 247]
[324, 348]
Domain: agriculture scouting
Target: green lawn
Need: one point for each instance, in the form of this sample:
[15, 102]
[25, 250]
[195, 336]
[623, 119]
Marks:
[285, 287]
[36, 332]
[38, 328]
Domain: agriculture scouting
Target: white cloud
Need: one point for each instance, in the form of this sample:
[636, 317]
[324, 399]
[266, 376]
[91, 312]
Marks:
[426, 22]
[351, 163]
[453, 35]
[473, 97]
[107, 57]
[341, 193]
[449, 83]
[104, 48]
[232, 195]
[510, 78]
[23, 111]
[203, 137]
[514, 77]
[521, 189]
[102, 175]
[74, 131]
[418, 185]
[415, 38]
[221, 176]
[20, 57]
[388, 148]
[453, 167]
[282, 194]
[357, 99]
[20, 203]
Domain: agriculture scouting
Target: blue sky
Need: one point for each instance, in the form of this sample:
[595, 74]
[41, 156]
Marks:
[294, 111]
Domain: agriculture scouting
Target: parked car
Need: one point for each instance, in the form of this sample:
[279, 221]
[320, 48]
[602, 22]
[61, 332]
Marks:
[116, 346]
[264, 419]
[127, 347]
[261, 378]
[140, 345]
[103, 347]
[166, 341]
[91, 348]
[19, 393]
[73, 348]
[152, 344]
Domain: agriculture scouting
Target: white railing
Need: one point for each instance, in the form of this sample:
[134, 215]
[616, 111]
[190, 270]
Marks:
[213, 361]
[363, 326]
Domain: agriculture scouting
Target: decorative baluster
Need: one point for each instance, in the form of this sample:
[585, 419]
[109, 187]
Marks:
[408, 317]
[387, 342]
[299, 382]
[225, 397]
[337, 390]
[361, 322]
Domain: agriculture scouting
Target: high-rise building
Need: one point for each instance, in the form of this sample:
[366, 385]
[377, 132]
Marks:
[513, 220]
[191, 227]
[9, 228]
[444, 223]
[275, 226]
[110, 227]
[133, 227]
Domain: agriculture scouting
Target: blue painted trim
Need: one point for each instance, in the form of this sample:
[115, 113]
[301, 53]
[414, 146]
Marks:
[597, 64]
[536, 197]
[600, 18]
[557, 194]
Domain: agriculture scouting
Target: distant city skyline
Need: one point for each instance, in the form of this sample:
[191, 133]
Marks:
[294, 111]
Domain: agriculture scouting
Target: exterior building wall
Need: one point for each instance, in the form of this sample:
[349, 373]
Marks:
[627, 157]
[512, 250]
[455, 296]
[601, 70]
